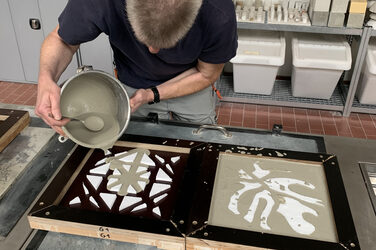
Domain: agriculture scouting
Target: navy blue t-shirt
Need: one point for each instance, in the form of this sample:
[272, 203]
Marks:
[212, 39]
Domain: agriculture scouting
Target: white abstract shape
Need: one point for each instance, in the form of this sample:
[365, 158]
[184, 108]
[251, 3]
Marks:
[109, 199]
[158, 188]
[234, 200]
[157, 211]
[159, 158]
[131, 190]
[122, 153]
[159, 198]
[146, 175]
[266, 195]
[259, 172]
[92, 200]
[101, 169]
[142, 184]
[175, 159]
[162, 176]
[75, 201]
[95, 181]
[127, 167]
[147, 161]
[169, 168]
[141, 169]
[129, 201]
[279, 154]
[282, 185]
[129, 158]
[140, 207]
[115, 188]
[293, 212]
[100, 162]
[85, 189]
[244, 175]
[116, 172]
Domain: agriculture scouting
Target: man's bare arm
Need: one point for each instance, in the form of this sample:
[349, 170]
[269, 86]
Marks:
[188, 82]
[54, 58]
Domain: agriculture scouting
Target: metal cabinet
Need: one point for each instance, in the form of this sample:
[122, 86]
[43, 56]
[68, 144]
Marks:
[29, 40]
[10, 60]
[50, 11]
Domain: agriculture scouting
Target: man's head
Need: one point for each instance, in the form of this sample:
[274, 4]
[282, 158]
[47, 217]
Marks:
[160, 24]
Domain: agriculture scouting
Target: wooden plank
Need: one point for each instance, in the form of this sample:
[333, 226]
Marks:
[3, 117]
[202, 244]
[10, 127]
[97, 231]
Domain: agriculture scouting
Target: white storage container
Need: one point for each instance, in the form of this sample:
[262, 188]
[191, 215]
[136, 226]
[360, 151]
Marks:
[318, 62]
[366, 91]
[259, 55]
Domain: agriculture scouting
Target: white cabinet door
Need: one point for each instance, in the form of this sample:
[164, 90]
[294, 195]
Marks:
[10, 59]
[29, 40]
[50, 11]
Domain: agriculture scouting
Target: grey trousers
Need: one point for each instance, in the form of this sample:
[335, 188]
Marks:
[197, 108]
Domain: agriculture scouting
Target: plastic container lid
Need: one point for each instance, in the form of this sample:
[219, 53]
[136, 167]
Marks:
[371, 56]
[260, 47]
[321, 51]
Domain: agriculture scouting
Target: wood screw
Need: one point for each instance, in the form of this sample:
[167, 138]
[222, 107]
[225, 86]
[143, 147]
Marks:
[194, 222]
[41, 203]
[168, 230]
[352, 244]
[333, 163]
[47, 213]
[181, 222]
[206, 234]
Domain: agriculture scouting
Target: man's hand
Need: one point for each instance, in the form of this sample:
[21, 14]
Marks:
[48, 105]
[140, 97]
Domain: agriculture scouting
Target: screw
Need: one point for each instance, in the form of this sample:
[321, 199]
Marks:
[352, 244]
[194, 222]
[41, 203]
[321, 156]
[47, 213]
[181, 222]
[333, 163]
[206, 234]
[168, 230]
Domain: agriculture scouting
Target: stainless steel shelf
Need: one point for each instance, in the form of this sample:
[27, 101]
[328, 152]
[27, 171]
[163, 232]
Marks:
[299, 28]
[281, 96]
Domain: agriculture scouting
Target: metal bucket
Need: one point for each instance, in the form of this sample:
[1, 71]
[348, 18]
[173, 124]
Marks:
[94, 91]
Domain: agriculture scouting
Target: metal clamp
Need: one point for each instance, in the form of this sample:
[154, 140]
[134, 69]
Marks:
[84, 68]
[216, 127]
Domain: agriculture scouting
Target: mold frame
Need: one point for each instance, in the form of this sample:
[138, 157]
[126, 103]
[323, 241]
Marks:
[46, 214]
[201, 234]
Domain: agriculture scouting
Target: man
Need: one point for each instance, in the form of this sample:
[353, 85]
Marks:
[167, 53]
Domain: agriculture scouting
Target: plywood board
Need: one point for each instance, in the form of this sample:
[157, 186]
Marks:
[12, 122]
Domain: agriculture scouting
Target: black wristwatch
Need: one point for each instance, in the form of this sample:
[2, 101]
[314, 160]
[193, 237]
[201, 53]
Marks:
[156, 95]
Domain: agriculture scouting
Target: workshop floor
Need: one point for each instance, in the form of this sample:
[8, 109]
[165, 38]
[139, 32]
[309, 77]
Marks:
[309, 121]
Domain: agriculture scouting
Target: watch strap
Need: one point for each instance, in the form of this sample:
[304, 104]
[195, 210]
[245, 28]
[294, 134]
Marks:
[156, 95]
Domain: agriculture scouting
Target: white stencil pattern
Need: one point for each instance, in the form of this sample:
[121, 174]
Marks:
[291, 208]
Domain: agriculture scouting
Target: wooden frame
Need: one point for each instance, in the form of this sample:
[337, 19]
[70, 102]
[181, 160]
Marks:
[202, 235]
[187, 227]
[12, 122]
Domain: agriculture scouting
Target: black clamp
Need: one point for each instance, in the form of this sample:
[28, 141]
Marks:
[277, 129]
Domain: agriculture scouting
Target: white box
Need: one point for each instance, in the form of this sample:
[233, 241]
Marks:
[259, 55]
[366, 91]
[318, 62]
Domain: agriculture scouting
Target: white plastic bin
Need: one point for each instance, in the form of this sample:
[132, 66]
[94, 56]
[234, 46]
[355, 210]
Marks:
[366, 91]
[259, 55]
[318, 62]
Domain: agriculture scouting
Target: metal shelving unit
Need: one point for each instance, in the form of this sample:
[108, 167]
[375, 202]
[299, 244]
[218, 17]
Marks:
[340, 101]
[281, 96]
